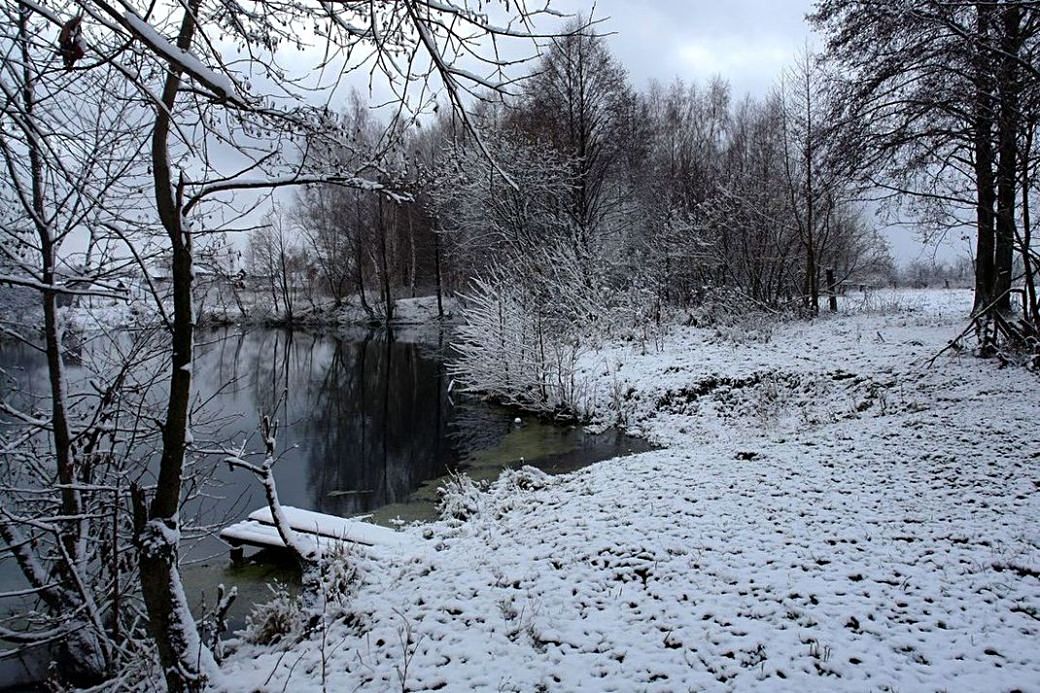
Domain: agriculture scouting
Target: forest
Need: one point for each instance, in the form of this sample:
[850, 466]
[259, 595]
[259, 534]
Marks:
[682, 190]
[703, 269]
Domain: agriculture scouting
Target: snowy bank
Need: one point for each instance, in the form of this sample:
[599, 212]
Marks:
[416, 312]
[833, 518]
[733, 381]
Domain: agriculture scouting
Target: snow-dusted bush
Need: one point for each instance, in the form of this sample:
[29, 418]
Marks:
[274, 621]
[527, 478]
[885, 302]
[510, 349]
[460, 498]
[527, 323]
[289, 617]
[337, 576]
[719, 306]
[463, 500]
[513, 486]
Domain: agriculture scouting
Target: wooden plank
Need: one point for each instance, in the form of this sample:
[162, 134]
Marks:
[253, 533]
[348, 529]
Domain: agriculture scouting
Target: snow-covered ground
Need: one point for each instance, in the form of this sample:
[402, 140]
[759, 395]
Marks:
[828, 513]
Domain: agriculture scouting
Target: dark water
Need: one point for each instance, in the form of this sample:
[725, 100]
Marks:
[362, 421]
[366, 425]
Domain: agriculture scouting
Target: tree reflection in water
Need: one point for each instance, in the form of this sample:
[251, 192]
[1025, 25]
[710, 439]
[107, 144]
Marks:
[365, 418]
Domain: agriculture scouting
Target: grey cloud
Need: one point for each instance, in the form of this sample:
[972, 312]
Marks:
[747, 42]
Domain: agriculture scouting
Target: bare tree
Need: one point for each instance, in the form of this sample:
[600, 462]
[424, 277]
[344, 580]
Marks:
[71, 158]
[576, 101]
[200, 104]
[819, 170]
[941, 103]
[275, 256]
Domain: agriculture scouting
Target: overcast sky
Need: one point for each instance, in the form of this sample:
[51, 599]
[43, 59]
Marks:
[748, 42]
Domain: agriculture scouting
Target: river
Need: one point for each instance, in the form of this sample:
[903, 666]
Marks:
[367, 424]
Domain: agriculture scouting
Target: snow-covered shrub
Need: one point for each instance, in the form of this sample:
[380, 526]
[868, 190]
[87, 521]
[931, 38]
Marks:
[547, 284]
[527, 478]
[527, 324]
[337, 574]
[883, 302]
[513, 350]
[283, 618]
[735, 318]
[290, 617]
[721, 307]
[463, 500]
[512, 488]
[460, 498]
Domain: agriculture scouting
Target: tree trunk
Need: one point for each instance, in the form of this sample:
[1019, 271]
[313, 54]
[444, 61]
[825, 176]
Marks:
[437, 271]
[832, 290]
[388, 298]
[1008, 89]
[1031, 308]
[52, 333]
[812, 279]
[359, 254]
[285, 278]
[984, 158]
[411, 242]
[185, 661]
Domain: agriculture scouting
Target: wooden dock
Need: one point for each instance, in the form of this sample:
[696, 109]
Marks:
[314, 530]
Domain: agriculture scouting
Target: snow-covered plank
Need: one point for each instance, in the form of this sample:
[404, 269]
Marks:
[251, 533]
[348, 529]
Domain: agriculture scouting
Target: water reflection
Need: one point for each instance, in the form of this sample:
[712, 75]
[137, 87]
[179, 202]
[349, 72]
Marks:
[366, 426]
[327, 402]
[365, 421]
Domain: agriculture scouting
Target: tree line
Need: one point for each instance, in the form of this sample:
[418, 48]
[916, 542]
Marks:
[683, 189]
[921, 110]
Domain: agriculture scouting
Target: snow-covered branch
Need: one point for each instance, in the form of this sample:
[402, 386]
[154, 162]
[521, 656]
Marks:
[265, 474]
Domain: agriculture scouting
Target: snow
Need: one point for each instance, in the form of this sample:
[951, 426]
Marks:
[95, 318]
[829, 513]
[222, 85]
[349, 529]
[421, 310]
[218, 306]
[782, 376]
[247, 183]
[257, 534]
